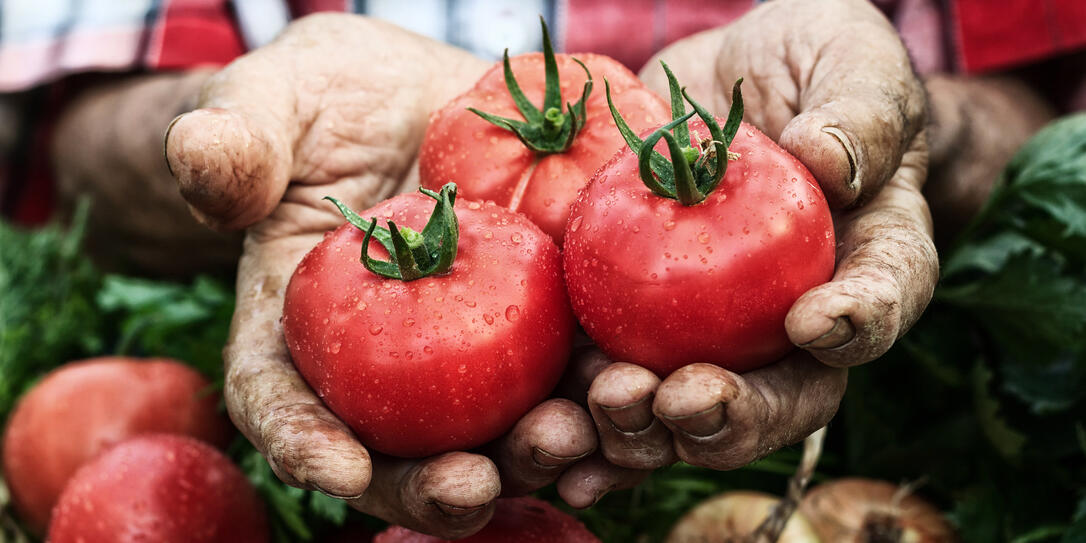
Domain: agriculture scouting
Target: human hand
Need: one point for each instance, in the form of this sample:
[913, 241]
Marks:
[337, 106]
[855, 117]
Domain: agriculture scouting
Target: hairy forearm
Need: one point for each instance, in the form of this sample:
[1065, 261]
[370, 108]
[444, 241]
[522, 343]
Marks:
[108, 146]
[976, 126]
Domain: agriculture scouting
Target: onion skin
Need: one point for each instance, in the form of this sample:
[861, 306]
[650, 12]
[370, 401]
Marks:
[870, 511]
[732, 516]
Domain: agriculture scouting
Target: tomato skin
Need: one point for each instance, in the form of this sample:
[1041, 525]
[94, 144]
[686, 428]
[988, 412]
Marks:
[521, 520]
[664, 285]
[441, 363]
[491, 163]
[85, 407]
[163, 488]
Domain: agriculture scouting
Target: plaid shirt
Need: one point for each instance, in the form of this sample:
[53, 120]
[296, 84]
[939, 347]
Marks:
[43, 40]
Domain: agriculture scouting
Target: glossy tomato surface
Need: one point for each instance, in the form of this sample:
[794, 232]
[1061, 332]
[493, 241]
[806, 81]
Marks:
[162, 488]
[515, 520]
[664, 285]
[491, 163]
[442, 363]
[83, 408]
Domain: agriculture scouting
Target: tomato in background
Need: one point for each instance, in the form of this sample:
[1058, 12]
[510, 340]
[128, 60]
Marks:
[521, 520]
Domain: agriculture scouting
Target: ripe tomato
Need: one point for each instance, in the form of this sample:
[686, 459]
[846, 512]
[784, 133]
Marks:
[709, 282]
[526, 520]
[83, 408]
[445, 362]
[163, 488]
[489, 162]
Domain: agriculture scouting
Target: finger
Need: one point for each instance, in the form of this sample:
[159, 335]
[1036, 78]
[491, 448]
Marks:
[585, 363]
[450, 495]
[544, 443]
[268, 400]
[620, 401]
[861, 109]
[722, 420]
[586, 482]
[886, 273]
[232, 157]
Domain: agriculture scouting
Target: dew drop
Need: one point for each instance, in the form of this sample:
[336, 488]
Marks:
[703, 237]
[512, 313]
[669, 224]
[428, 349]
[408, 322]
[469, 303]
[517, 238]
[376, 329]
[334, 348]
[575, 223]
[488, 318]
[463, 368]
[474, 205]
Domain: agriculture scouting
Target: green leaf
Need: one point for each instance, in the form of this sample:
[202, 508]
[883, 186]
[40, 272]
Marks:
[1006, 440]
[990, 255]
[328, 508]
[1030, 297]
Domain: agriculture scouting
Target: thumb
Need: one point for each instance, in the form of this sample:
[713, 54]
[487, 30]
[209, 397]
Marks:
[860, 109]
[232, 157]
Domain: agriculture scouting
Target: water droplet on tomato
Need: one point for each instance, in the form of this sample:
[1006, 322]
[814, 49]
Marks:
[488, 234]
[488, 318]
[548, 202]
[512, 313]
[428, 349]
[669, 224]
[516, 237]
[409, 322]
[474, 205]
[469, 303]
[799, 204]
[376, 329]
[575, 223]
[463, 368]
[334, 348]
[635, 228]
[703, 237]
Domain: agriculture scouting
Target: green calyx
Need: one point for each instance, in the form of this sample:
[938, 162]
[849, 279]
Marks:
[412, 255]
[548, 130]
[693, 172]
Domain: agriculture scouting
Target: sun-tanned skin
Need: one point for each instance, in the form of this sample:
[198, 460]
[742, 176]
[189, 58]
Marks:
[337, 106]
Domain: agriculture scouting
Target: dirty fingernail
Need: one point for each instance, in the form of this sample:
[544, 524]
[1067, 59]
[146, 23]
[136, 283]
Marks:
[700, 424]
[166, 139]
[548, 460]
[459, 512]
[334, 495]
[601, 493]
[631, 418]
[854, 181]
[841, 333]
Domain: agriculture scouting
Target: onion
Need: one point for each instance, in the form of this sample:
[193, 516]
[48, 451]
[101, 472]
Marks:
[732, 517]
[870, 511]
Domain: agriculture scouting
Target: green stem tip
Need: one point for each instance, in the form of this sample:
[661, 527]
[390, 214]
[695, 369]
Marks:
[547, 130]
[412, 255]
[693, 172]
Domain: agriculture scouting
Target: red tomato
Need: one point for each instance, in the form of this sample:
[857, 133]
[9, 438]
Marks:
[663, 285]
[83, 408]
[162, 488]
[491, 163]
[519, 520]
[445, 362]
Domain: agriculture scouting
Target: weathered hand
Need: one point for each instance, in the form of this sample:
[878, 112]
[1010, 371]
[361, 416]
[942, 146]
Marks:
[854, 115]
[337, 106]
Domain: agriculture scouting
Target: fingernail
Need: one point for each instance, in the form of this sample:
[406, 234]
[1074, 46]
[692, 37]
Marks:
[334, 495]
[700, 424]
[841, 333]
[548, 460]
[854, 174]
[166, 139]
[459, 512]
[601, 493]
[631, 418]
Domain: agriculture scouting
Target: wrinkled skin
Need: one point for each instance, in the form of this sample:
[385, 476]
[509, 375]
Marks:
[304, 117]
